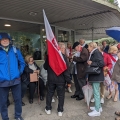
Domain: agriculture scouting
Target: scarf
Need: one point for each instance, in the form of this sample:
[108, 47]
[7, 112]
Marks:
[32, 66]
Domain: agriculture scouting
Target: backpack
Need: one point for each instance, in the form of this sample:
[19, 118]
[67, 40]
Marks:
[15, 51]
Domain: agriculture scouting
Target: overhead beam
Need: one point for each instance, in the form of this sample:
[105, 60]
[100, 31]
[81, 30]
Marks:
[90, 33]
[83, 16]
[96, 28]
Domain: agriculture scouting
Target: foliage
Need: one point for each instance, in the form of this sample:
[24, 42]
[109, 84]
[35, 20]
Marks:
[109, 40]
[111, 1]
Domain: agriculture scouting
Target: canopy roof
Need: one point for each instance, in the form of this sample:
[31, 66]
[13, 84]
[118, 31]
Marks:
[83, 16]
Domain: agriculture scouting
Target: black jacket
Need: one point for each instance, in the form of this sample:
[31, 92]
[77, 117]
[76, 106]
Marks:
[97, 61]
[86, 46]
[106, 49]
[25, 77]
[53, 78]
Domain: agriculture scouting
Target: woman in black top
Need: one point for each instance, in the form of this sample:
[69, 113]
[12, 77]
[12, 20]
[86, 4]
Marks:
[31, 67]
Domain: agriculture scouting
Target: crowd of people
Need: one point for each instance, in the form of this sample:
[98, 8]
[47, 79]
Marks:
[19, 74]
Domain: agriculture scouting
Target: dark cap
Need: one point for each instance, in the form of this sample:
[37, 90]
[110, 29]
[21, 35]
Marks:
[4, 35]
[75, 44]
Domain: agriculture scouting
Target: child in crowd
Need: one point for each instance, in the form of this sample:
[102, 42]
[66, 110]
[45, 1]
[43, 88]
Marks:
[110, 85]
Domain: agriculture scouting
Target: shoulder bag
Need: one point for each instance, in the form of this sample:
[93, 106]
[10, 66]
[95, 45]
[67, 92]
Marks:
[93, 70]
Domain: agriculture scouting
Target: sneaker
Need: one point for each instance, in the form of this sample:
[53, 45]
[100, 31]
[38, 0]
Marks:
[93, 108]
[48, 112]
[94, 113]
[69, 90]
[19, 118]
[53, 100]
[60, 114]
[93, 100]
[102, 100]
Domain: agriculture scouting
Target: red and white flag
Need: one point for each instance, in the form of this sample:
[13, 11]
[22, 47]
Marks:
[56, 60]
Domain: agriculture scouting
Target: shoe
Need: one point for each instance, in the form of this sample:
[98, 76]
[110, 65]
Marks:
[102, 100]
[79, 98]
[74, 96]
[19, 118]
[94, 113]
[117, 118]
[93, 108]
[53, 100]
[60, 114]
[115, 99]
[41, 98]
[31, 101]
[69, 90]
[48, 112]
[109, 97]
[92, 100]
[23, 104]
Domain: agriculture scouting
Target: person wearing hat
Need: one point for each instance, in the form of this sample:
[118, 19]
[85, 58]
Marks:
[11, 67]
[80, 67]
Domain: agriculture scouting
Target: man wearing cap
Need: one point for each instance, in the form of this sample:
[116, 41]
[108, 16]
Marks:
[11, 67]
[81, 64]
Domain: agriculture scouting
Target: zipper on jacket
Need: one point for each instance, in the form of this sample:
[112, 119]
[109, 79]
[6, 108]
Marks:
[8, 65]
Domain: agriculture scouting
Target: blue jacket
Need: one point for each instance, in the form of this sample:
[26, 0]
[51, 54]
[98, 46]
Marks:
[11, 67]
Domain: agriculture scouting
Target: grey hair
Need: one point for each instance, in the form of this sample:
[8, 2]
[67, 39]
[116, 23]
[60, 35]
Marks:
[82, 39]
[61, 45]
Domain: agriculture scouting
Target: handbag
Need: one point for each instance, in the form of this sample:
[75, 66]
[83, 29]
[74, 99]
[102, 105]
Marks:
[33, 77]
[72, 68]
[93, 70]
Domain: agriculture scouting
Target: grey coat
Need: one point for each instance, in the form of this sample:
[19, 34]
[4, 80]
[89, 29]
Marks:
[43, 74]
[116, 72]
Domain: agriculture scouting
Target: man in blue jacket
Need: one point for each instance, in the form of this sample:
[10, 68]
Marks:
[11, 67]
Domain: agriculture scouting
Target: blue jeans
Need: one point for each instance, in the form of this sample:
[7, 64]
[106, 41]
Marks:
[16, 92]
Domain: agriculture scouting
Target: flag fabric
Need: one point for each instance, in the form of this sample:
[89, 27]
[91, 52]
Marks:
[55, 57]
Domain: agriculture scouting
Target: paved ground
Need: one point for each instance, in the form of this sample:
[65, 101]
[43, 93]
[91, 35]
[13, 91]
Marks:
[73, 110]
